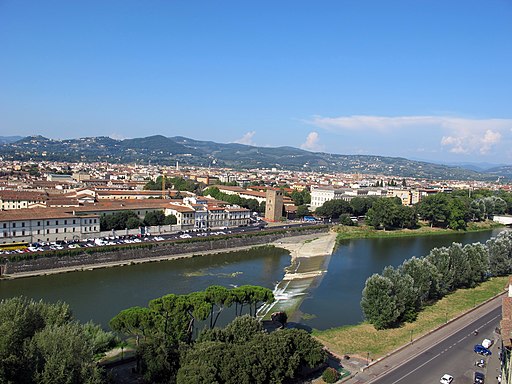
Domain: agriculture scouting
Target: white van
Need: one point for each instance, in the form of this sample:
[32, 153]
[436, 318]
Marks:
[487, 343]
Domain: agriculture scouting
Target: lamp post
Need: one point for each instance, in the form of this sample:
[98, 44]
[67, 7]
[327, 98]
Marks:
[367, 358]
[411, 335]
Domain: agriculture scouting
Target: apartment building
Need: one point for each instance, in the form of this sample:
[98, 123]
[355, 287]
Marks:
[10, 199]
[319, 195]
[47, 224]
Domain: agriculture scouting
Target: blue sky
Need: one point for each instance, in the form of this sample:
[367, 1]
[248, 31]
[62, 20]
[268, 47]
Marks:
[423, 79]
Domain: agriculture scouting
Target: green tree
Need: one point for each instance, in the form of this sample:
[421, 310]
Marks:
[477, 256]
[133, 222]
[500, 249]
[425, 277]
[405, 295]
[62, 354]
[170, 219]
[435, 210]
[333, 209]
[379, 302]
[302, 210]
[119, 220]
[154, 218]
[41, 343]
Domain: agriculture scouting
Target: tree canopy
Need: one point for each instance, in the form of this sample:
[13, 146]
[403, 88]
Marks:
[42, 343]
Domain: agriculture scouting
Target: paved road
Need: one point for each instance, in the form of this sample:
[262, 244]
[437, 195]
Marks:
[453, 355]
[446, 350]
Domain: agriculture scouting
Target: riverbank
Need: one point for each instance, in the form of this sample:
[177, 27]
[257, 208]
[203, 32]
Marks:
[91, 267]
[367, 232]
[308, 245]
[159, 252]
[364, 340]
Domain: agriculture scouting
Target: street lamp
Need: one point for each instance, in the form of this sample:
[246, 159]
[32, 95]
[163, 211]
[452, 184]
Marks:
[411, 335]
[367, 358]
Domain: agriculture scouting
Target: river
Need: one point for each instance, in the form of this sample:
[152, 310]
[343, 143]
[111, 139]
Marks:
[332, 301]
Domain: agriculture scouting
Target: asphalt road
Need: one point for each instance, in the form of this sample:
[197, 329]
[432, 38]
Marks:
[453, 355]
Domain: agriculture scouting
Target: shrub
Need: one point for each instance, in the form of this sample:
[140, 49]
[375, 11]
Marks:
[330, 375]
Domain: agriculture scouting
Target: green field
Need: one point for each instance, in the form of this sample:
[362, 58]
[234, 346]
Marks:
[363, 231]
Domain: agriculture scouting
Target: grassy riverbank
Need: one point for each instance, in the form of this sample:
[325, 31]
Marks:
[363, 231]
[364, 338]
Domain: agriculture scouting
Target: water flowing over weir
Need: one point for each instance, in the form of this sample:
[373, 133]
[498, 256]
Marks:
[300, 277]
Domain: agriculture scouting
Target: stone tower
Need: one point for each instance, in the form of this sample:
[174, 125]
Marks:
[274, 205]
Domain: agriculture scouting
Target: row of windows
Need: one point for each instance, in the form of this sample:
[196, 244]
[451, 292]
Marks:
[14, 233]
[86, 221]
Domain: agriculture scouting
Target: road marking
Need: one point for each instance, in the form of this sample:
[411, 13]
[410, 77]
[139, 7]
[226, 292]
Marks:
[436, 356]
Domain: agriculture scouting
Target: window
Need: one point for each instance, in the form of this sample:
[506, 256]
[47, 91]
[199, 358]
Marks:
[38, 223]
[74, 221]
[14, 233]
[23, 225]
[65, 229]
[65, 222]
[5, 225]
[47, 231]
[56, 230]
[14, 225]
[56, 222]
[38, 231]
[47, 222]
[22, 233]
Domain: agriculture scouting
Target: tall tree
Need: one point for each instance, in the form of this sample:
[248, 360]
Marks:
[379, 303]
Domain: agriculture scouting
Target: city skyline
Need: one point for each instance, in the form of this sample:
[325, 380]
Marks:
[428, 82]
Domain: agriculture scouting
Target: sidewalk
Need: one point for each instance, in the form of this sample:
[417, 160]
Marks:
[364, 373]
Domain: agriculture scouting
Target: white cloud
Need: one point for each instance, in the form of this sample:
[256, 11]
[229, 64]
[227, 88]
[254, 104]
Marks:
[458, 135]
[247, 138]
[312, 142]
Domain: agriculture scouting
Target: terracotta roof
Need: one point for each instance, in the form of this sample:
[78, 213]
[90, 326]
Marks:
[22, 195]
[39, 213]
[180, 208]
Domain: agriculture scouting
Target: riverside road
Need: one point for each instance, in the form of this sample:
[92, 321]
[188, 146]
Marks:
[446, 350]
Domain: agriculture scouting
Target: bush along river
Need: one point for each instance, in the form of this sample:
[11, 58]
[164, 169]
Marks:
[327, 295]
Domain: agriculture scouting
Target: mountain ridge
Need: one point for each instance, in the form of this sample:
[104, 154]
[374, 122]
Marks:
[159, 149]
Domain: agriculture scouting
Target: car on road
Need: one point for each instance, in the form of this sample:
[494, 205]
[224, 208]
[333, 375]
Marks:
[479, 378]
[446, 379]
[480, 349]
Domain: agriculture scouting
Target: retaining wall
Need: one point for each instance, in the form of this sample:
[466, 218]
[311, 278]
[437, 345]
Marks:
[154, 250]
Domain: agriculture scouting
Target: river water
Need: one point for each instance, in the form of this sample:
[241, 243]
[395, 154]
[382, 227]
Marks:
[333, 300]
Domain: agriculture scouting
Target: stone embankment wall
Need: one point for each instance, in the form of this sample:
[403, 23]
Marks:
[158, 250]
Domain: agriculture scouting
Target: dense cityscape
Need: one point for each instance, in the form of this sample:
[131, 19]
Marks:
[292, 192]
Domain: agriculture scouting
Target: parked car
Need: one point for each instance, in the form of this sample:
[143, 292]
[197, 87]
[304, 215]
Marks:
[480, 349]
[446, 379]
[479, 378]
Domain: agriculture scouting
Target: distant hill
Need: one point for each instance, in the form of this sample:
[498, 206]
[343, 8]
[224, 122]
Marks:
[167, 150]
[9, 139]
